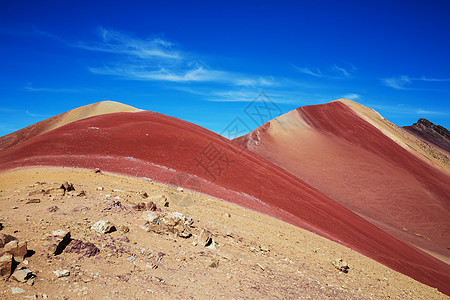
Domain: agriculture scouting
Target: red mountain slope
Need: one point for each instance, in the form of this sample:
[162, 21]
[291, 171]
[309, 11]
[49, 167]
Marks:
[330, 147]
[100, 108]
[167, 149]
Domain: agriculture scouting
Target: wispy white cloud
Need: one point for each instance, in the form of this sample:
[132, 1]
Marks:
[157, 59]
[117, 42]
[333, 72]
[7, 110]
[308, 71]
[342, 71]
[34, 115]
[404, 109]
[55, 90]
[432, 112]
[398, 83]
[351, 96]
[197, 74]
[405, 82]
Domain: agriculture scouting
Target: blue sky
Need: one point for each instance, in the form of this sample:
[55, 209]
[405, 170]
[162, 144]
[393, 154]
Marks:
[205, 61]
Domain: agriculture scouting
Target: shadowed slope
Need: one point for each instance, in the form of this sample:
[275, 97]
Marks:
[167, 150]
[351, 161]
[434, 134]
[100, 108]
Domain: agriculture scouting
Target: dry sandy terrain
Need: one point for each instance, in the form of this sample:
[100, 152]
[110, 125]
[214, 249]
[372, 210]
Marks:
[254, 256]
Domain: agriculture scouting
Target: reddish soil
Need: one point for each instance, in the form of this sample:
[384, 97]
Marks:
[147, 144]
[47, 125]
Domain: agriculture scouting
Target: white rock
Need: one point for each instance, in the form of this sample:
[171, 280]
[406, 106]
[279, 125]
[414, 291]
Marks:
[61, 273]
[150, 216]
[100, 188]
[16, 290]
[102, 226]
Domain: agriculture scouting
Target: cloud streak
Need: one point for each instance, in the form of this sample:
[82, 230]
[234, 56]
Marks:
[157, 59]
[334, 72]
[404, 82]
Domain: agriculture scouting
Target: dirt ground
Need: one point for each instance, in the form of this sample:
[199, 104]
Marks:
[251, 256]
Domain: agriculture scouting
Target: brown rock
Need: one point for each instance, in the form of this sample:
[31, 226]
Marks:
[84, 248]
[5, 239]
[214, 263]
[140, 206]
[151, 206]
[67, 187]
[6, 264]
[17, 249]
[23, 275]
[60, 239]
[33, 201]
[52, 208]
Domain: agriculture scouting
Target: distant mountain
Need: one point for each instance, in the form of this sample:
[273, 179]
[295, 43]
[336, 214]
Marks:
[100, 108]
[428, 131]
[369, 165]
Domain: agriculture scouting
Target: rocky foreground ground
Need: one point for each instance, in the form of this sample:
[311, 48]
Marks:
[72, 234]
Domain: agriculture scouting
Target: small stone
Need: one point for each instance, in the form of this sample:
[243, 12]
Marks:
[124, 239]
[16, 290]
[151, 206]
[86, 249]
[17, 249]
[103, 226]
[214, 263]
[124, 229]
[22, 275]
[52, 208]
[264, 248]
[6, 264]
[60, 239]
[180, 189]
[131, 258]
[61, 273]
[204, 238]
[81, 208]
[100, 188]
[150, 216]
[67, 187]
[140, 206]
[33, 201]
[341, 265]
[44, 296]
